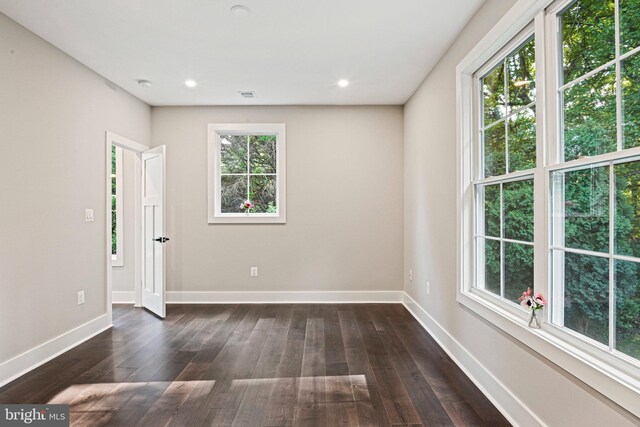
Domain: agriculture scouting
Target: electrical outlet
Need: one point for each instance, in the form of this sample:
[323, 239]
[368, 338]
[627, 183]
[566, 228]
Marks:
[80, 297]
[410, 275]
[254, 271]
[88, 215]
[428, 287]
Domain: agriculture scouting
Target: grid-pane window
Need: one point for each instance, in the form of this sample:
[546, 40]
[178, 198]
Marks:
[504, 184]
[247, 173]
[595, 218]
[508, 128]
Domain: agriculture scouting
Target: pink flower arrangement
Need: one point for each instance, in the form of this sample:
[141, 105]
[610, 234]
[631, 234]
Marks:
[246, 205]
[533, 301]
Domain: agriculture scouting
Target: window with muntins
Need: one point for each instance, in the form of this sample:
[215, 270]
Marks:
[595, 181]
[246, 173]
[549, 184]
[504, 184]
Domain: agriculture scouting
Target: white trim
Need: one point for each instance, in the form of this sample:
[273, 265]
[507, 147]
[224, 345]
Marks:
[513, 409]
[123, 297]
[37, 356]
[213, 172]
[205, 297]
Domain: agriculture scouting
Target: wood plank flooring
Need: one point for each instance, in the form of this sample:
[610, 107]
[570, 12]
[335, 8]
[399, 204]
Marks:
[260, 365]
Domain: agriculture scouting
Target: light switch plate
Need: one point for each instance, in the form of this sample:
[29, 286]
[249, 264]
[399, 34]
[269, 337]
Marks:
[88, 215]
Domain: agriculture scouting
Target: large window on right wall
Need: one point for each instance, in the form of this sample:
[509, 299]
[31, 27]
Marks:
[595, 177]
[549, 184]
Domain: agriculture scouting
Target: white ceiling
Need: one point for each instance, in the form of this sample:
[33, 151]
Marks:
[287, 51]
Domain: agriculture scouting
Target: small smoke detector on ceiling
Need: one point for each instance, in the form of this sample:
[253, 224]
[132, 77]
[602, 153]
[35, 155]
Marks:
[247, 93]
[144, 83]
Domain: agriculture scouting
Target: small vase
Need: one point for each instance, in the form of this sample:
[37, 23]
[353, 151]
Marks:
[534, 320]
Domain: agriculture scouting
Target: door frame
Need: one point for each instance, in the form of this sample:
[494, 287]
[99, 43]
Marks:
[127, 144]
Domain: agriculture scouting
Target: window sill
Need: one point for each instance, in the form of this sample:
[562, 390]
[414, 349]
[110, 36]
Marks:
[620, 386]
[247, 219]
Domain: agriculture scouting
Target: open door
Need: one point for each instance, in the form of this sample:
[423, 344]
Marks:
[153, 238]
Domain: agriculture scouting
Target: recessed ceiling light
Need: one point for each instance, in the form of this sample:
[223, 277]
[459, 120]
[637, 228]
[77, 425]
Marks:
[240, 10]
[190, 83]
[144, 83]
[247, 93]
[343, 83]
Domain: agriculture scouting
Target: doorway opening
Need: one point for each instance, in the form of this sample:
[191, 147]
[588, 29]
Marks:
[134, 233]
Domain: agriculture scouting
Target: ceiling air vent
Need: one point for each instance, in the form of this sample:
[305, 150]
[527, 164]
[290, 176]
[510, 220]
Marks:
[247, 93]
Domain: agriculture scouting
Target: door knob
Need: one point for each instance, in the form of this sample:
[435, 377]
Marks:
[161, 239]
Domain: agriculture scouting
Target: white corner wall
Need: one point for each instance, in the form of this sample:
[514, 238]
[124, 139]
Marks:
[53, 116]
[513, 375]
[344, 205]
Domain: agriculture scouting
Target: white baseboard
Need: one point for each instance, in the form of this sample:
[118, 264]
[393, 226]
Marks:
[123, 297]
[31, 359]
[284, 297]
[514, 410]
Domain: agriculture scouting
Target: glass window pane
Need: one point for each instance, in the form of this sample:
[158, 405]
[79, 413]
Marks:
[521, 67]
[631, 100]
[491, 267]
[585, 208]
[588, 36]
[627, 235]
[233, 154]
[493, 95]
[518, 270]
[491, 194]
[233, 193]
[522, 140]
[114, 228]
[629, 25]
[494, 150]
[518, 210]
[628, 308]
[586, 295]
[262, 150]
[263, 193]
[590, 116]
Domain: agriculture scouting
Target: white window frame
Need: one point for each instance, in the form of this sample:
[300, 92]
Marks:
[117, 259]
[614, 377]
[215, 215]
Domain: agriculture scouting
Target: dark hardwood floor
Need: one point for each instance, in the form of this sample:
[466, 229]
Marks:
[260, 365]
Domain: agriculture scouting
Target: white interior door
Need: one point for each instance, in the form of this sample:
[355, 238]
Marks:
[153, 238]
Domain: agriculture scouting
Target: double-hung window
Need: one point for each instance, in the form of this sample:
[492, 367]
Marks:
[595, 174]
[247, 173]
[506, 154]
[549, 184]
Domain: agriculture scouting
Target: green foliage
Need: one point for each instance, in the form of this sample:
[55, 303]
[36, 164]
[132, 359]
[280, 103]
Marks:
[248, 172]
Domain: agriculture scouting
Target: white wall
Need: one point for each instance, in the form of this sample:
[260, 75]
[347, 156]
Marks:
[53, 116]
[123, 278]
[344, 203]
[429, 247]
